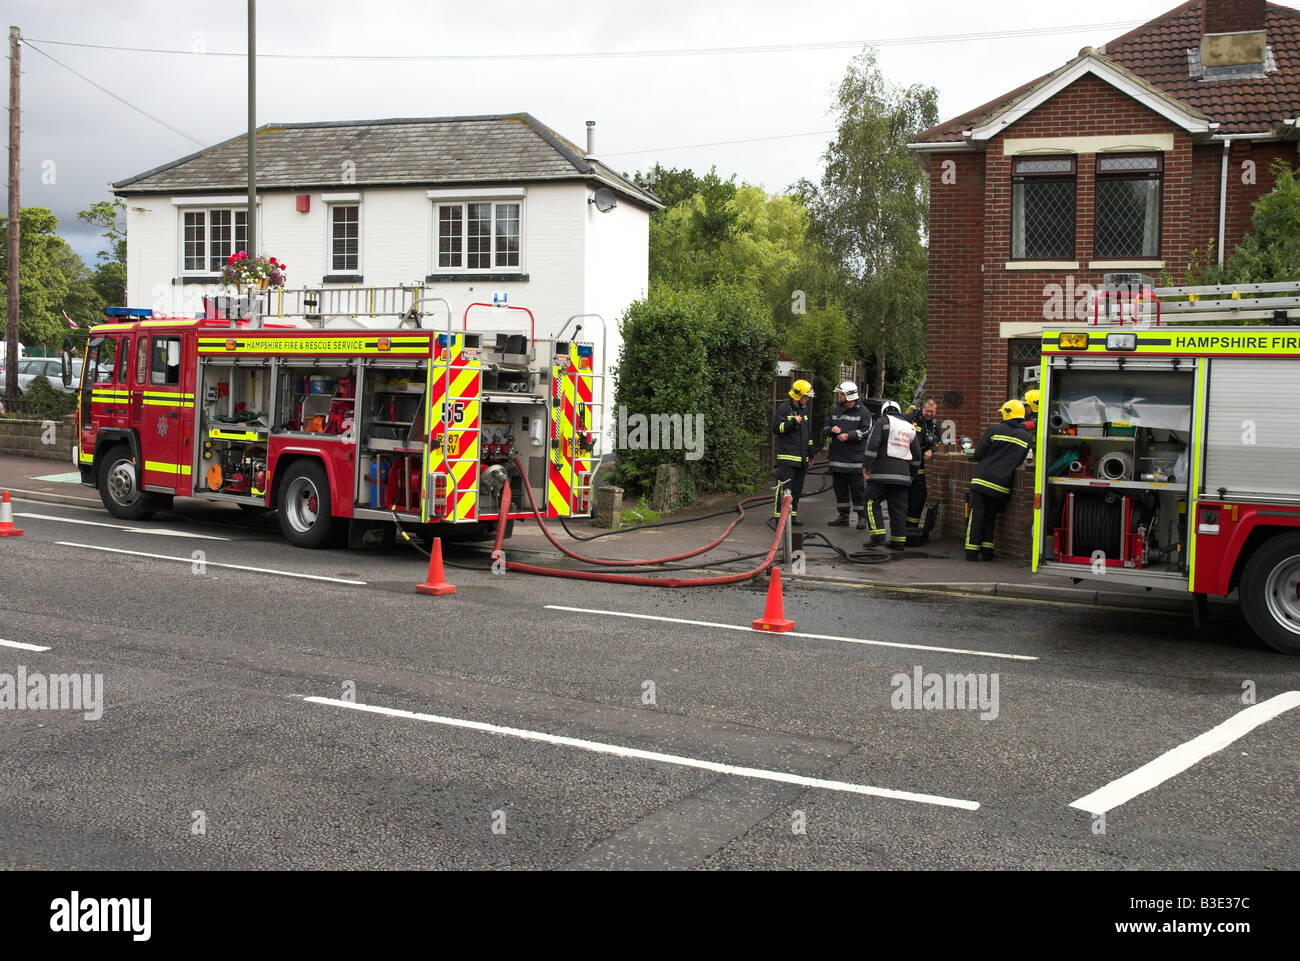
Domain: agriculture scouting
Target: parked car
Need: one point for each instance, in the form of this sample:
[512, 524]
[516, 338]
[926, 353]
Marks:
[29, 368]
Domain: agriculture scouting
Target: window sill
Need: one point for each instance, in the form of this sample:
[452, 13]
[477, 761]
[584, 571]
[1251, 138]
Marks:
[342, 279]
[1135, 264]
[197, 279]
[472, 278]
[1042, 265]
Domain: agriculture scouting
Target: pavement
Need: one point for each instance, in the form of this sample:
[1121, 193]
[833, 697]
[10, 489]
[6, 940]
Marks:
[937, 567]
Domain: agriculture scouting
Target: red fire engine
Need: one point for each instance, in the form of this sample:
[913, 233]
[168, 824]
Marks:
[1169, 455]
[339, 429]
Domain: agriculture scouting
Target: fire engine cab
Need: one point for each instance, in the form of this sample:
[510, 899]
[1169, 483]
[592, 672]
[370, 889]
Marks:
[295, 402]
[1168, 455]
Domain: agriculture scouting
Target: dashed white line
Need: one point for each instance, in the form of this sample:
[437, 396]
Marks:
[638, 754]
[817, 637]
[1178, 760]
[22, 647]
[160, 531]
[207, 563]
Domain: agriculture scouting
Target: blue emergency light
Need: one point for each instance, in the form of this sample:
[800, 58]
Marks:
[128, 312]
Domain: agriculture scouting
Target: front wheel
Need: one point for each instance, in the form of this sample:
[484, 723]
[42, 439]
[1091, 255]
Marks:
[305, 505]
[119, 486]
[1270, 593]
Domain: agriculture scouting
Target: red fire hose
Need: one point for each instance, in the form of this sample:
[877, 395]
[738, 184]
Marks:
[504, 511]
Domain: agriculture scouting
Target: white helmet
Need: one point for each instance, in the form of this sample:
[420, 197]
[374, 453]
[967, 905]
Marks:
[889, 407]
[848, 389]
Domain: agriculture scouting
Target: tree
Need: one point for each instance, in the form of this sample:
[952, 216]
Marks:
[109, 279]
[871, 208]
[1272, 252]
[51, 276]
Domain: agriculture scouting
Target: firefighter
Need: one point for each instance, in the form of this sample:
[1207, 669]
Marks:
[893, 450]
[1001, 450]
[927, 430]
[795, 447]
[848, 427]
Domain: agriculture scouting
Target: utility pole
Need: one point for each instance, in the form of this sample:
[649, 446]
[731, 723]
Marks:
[11, 332]
[252, 128]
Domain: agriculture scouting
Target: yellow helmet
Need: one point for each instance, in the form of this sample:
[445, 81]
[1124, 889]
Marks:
[800, 389]
[1013, 408]
[1031, 400]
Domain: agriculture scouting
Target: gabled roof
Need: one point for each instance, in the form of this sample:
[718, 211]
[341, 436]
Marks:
[436, 151]
[1158, 51]
[1154, 60]
[992, 118]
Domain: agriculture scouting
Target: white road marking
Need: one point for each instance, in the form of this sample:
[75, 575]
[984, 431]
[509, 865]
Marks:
[23, 647]
[206, 563]
[818, 637]
[1179, 759]
[636, 753]
[160, 531]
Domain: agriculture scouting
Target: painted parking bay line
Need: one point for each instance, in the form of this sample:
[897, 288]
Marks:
[160, 531]
[1179, 759]
[817, 637]
[638, 754]
[207, 563]
[22, 647]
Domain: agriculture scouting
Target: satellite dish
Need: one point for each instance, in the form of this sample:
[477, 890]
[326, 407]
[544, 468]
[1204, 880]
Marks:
[604, 200]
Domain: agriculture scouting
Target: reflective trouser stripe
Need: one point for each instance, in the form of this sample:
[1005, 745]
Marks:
[969, 546]
[871, 519]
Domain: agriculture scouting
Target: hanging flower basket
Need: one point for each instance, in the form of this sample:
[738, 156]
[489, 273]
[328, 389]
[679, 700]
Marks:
[260, 272]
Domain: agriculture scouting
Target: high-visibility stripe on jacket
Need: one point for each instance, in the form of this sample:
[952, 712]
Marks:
[1001, 450]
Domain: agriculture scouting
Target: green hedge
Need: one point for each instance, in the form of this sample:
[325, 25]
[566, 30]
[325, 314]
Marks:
[698, 351]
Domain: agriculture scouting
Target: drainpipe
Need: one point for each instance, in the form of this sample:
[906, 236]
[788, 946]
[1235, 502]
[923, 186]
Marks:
[1223, 196]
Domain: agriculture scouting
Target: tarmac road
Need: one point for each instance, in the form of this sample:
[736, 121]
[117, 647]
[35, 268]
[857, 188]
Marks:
[207, 670]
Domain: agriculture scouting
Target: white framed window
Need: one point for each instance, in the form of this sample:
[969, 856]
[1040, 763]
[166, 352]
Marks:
[478, 235]
[209, 236]
[345, 238]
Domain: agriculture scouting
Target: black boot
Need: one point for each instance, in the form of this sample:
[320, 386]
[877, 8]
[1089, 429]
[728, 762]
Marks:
[794, 521]
[841, 521]
[862, 521]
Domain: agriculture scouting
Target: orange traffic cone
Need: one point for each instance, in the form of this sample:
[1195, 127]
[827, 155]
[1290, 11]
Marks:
[7, 528]
[435, 582]
[773, 618]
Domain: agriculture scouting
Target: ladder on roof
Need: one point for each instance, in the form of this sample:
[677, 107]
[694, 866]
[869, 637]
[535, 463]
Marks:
[1134, 299]
[318, 306]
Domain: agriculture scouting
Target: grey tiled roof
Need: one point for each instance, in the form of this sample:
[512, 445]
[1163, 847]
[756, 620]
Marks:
[511, 148]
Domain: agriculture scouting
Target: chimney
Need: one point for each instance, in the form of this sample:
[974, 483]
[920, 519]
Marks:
[1232, 16]
[591, 137]
[1232, 33]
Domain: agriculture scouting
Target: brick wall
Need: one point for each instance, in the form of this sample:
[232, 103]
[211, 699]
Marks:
[26, 438]
[949, 477]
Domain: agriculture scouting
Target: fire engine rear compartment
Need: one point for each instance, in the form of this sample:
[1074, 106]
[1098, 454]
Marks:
[251, 407]
[1116, 461]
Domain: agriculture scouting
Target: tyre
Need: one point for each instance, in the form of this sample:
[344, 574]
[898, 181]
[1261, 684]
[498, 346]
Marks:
[1270, 593]
[305, 505]
[119, 486]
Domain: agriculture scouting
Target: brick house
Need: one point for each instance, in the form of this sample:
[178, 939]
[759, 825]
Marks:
[1136, 156]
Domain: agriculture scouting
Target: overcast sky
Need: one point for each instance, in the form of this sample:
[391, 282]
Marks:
[647, 108]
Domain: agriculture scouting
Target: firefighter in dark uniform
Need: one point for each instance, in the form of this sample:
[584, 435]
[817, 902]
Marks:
[999, 453]
[892, 451]
[927, 431]
[795, 447]
[847, 426]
